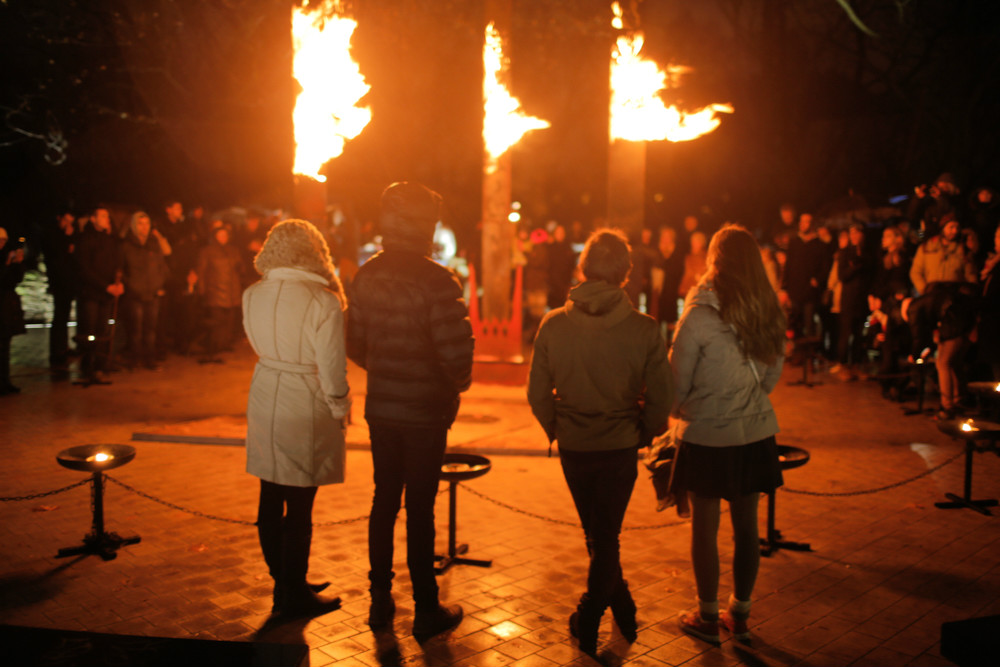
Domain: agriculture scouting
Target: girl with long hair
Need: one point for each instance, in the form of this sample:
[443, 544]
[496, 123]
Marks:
[726, 358]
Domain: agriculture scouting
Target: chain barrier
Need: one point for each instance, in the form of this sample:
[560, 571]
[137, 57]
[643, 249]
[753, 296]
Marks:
[864, 492]
[45, 493]
[561, 522]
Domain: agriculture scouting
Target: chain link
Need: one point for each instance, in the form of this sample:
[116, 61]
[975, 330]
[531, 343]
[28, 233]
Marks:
[561, 522]
[45, 493]
[864, 492]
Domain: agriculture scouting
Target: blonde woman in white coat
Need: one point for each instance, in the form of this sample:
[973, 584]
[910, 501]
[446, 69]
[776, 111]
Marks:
[294, 319]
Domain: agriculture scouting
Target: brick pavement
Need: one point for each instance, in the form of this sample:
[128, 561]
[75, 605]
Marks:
[887, 569]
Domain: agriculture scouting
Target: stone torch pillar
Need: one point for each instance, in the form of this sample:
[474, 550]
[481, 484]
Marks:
[627, 186]
[309, 200]
[498, 237]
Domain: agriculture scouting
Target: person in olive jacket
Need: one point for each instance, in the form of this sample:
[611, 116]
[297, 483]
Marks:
[408, 326]
[600, 385]
[220, 285]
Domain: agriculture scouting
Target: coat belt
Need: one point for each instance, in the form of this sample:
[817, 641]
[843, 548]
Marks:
[287, 366]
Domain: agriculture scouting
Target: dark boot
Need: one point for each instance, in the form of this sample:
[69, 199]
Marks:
[430, 623]
[584, 623]
[297, 599]
[382, 609]
[623, 609]
[269, 533]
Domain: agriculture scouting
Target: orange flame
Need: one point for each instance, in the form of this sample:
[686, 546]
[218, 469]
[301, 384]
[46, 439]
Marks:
[637, 112]
[326, 115]
[503, 122]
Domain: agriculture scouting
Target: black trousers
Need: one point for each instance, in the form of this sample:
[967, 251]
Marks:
[142, 326]
[601, 483]
[93, 334]
[62, 303]
[405, 458]
[284, 527]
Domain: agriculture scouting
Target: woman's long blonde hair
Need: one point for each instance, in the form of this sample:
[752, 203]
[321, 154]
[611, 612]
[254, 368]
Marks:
[746, 298]
[298, 244]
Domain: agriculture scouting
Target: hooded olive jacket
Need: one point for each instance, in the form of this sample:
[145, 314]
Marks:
[599, 377]
[299, 393]
[722, 397]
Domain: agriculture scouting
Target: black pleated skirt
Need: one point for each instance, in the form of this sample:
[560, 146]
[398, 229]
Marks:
[728, 472]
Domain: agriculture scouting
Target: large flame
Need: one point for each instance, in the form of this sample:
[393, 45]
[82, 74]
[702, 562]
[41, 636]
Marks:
[503, 124]
[637, 112]
[326, 115]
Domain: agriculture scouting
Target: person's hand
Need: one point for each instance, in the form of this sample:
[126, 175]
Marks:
[160, 292]
[192, 278]
[813, 282]
[920, 191]
[18, 255]
[116, 289]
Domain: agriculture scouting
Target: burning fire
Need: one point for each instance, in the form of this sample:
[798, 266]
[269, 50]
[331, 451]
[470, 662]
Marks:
[504, 124]
[637, 112]
[326, 115]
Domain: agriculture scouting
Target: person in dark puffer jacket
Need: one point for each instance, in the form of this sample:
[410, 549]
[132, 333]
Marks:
[408, 326]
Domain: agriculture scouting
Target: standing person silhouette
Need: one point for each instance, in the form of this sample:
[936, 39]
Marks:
[409, 328]
[600, 384]
[726, 358]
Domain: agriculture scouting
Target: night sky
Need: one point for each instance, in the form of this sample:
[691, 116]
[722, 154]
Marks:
[190, 99]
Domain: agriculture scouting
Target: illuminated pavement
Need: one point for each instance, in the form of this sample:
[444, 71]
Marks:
[887, 568]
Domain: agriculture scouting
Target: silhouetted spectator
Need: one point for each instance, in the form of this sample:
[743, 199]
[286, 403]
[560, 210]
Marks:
[179, 307]
[99, 260]
[695, 264]
[989, 310]
[220, 286]
[984, 212]
[144, 273]
[11, 315]
[804, 277]
[931, 203]
[58, 241]
[671, 270]
[562, 264]
[645, 257]
[854, 270]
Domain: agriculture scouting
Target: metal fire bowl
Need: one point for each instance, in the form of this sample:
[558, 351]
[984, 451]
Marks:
[979, 429]
[792, 457]
[984, 388]
[75, 458]
[460, 467]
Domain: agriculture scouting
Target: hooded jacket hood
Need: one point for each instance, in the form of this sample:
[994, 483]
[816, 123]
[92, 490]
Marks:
[597, 303]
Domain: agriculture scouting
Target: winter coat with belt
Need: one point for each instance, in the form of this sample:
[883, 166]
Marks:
[722, 396]
[299, 393]
[408, 326]
[599, 377]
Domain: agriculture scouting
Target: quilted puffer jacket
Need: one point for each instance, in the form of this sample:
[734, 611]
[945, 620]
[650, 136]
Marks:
[408, 326]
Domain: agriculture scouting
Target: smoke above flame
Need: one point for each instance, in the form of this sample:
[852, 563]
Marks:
[637, 111]
[326, 114]
[503, 122]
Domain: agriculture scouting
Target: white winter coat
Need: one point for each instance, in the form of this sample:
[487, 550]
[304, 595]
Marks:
[299, 393]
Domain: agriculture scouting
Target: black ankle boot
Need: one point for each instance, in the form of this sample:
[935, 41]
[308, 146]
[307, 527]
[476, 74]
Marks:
[382, 608]
[584, 623]
[623, 609]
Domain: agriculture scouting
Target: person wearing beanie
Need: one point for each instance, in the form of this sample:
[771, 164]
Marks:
[408, 327]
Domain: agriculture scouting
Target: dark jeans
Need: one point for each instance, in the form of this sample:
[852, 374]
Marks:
[407, 457]
[94, 334]
[142, 319]
[62, 303]
[178, 327]
[601, 483]
[849, 344]
[285, 536]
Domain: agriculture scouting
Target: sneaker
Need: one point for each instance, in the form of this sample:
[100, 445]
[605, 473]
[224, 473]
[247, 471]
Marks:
[735, 625]
[428, 624]
[696, 625]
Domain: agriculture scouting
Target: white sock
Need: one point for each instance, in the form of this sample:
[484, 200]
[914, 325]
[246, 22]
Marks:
[741, 607]
[708, 610]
